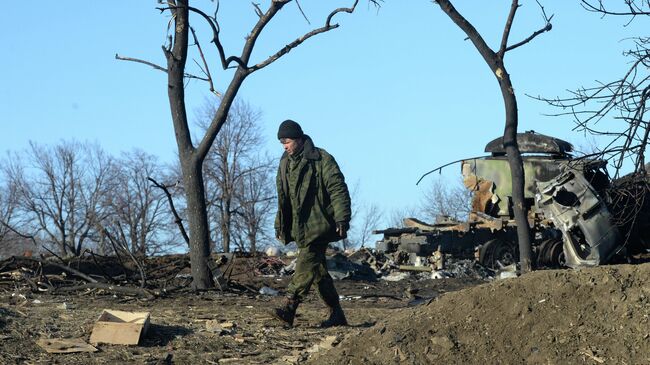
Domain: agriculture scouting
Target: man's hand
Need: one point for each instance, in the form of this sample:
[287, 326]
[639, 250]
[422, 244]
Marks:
[342, 229]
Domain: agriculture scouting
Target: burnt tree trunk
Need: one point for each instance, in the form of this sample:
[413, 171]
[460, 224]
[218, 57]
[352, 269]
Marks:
[516, 169]
[198, 223]
[192, 158]
[191, 163]
[495, 61]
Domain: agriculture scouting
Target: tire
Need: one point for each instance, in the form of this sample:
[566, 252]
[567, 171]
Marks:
[498, 253]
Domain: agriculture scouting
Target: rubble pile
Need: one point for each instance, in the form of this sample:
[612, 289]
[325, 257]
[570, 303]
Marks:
[468, 269]
[160, 276]
[147, 278]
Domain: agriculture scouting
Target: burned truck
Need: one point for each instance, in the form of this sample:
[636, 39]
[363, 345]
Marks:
[566, 200]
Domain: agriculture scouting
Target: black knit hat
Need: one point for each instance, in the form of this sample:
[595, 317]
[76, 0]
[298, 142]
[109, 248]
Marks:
[289, 129]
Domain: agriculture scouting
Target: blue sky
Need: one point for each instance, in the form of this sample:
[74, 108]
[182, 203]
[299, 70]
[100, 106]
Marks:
[391, 93]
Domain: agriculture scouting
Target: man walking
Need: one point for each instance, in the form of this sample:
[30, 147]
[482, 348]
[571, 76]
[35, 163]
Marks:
[313, 210]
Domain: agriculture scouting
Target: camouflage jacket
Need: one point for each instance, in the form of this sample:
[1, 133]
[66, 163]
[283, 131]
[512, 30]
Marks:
[322, 198]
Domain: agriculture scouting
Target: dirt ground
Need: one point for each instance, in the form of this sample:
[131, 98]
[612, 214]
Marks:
[182, 330]
[590, 316]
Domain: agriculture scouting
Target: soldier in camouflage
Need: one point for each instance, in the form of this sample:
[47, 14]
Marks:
[313, 210]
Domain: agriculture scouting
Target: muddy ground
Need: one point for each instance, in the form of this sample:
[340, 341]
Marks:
[591, 316]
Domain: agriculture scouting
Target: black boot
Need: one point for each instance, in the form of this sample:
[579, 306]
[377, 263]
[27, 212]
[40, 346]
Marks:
[287, 312]
[336, 318]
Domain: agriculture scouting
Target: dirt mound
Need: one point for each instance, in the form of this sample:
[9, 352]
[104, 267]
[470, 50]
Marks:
[591, 316]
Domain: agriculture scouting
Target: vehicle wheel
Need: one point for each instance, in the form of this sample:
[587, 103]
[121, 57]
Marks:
[551, 254]
[496, 253]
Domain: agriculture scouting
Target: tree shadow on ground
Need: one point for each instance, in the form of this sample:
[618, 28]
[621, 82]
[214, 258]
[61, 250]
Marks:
[160, 335]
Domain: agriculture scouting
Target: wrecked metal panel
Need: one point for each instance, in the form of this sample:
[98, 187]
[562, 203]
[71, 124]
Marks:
[483, 199]
[497, 171]
[575, 208]
[531, 142]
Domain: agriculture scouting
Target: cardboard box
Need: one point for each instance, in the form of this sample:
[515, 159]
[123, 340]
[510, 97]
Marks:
[119, 327]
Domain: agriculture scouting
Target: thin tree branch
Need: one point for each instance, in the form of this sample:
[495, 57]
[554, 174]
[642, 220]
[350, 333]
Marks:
[546, 28]
[110, 287]
[302, 12]
[274, 7]
[328, 26]
[190, 76]
[143, 277]
[225, 62]
[178, 219]
[32, 238]
[205, 64]
[632, 10]
[506, 29]
[62, 267]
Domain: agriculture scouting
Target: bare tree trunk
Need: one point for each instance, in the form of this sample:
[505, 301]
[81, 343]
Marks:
[191, 165]
[198, 225]
[226, 219]
[516, 171]
[252, 241]
[495, 61]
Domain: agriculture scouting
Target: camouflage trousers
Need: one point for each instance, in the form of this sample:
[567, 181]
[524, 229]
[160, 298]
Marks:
[311, 269]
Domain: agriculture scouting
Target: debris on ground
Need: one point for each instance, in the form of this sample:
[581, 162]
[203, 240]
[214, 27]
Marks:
[65, 345]
[120, 327]
[265, 290]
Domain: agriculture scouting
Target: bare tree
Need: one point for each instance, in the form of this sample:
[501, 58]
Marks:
[62, 191]
[8, 203]
[255, 198]
[137, 219]
[617, 112]
[495, 60]
[231, 159]
[396, 216]
[443, 199]
[192, 156]
[624, 100]
[365, 223]
[12, 241]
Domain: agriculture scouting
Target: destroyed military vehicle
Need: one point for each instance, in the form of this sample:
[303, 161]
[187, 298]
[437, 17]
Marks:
[566, 200]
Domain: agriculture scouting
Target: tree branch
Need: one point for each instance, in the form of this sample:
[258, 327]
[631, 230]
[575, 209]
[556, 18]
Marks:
[488, 54]
[190, 76]
[328, 26]
[275, 6]
[205, 64]
[62, 267]
[18, 233]
[546, 28]
[225, 62]
[110, 287]
[633, 9]
[178, 219]
[506, 29]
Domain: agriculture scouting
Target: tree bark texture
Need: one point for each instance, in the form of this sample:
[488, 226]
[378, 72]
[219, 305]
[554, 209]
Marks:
[516, 170]
[191, 166]
[192, 158]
